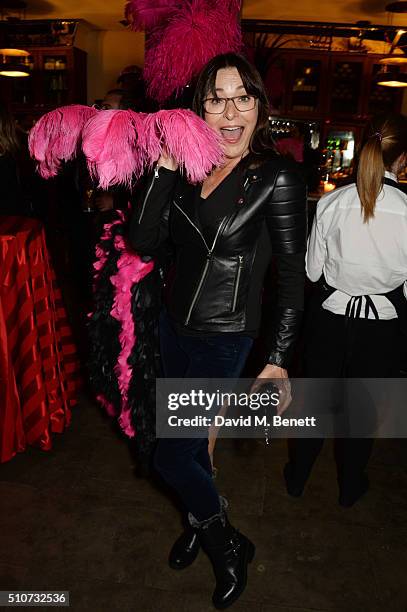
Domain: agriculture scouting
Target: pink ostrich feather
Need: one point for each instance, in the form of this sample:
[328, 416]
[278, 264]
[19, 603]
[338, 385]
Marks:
[195, 34]
[120, 145]
[130, 269]
[56, 137]
[148, 14]
[153, 137]
[114, 145]
[193, 144]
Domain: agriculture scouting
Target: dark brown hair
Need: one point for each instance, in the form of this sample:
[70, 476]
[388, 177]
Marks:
[261, 144]
[9, 141]
[385, 141]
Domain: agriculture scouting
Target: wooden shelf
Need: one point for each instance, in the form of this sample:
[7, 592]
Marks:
[58, 77]
[321, 86]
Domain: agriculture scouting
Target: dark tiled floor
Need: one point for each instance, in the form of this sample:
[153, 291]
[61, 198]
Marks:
[79, 519]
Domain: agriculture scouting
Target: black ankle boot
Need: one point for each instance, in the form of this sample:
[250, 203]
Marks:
[185, 549]
[230, 552]
[293, 487]
[351, 492]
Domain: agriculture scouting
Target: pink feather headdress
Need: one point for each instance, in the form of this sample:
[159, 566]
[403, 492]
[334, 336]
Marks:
[56, 137]
[197, 32]
[148, 14]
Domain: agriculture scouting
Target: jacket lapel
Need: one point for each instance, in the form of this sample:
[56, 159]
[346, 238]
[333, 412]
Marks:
[186, 198]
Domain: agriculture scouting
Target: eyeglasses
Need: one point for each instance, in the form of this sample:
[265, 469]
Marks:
[216, 106]
[102, 107]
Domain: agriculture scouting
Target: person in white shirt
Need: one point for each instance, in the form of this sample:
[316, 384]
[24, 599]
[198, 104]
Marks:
[357, 255]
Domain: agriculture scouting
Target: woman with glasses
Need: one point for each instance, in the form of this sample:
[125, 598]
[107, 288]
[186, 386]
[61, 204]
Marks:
[224, 232]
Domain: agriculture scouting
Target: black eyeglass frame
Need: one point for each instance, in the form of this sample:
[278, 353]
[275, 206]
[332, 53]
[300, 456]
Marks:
[226, 100]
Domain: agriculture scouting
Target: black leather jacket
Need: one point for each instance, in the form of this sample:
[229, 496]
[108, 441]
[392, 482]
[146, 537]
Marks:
[211, 285]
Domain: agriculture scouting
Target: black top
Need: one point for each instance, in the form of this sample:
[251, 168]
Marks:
[218, 204]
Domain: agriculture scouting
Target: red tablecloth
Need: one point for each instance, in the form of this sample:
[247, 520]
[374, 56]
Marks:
[39, 369]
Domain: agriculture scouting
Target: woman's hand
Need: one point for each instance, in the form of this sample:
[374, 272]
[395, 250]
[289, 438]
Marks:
[280, 380]
[167, 161]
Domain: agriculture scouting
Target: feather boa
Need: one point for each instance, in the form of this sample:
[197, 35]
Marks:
[102, 253]
[56, 137]
[129, 271]
[103, 329]
[176, 53]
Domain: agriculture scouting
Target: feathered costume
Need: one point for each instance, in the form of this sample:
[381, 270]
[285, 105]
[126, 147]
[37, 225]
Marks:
[120, 146]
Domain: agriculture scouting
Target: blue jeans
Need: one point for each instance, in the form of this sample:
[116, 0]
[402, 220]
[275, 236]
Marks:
[184, 463]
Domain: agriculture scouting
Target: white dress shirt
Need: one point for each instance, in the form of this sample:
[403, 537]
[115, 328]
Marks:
[360, 258]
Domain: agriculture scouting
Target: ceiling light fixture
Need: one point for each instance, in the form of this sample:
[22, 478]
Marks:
[393, 60]
[14, 63]
[391, 79]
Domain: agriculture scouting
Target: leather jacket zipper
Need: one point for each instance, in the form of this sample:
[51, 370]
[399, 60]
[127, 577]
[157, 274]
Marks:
[193, 225]
[206, 266]
[236, 289]
[198, 289]
[155, 176]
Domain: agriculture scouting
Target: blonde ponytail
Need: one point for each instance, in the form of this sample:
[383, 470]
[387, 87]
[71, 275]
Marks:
[386, 142]
[370, 175]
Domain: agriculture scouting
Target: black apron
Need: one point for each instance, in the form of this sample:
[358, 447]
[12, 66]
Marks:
[354, 306]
